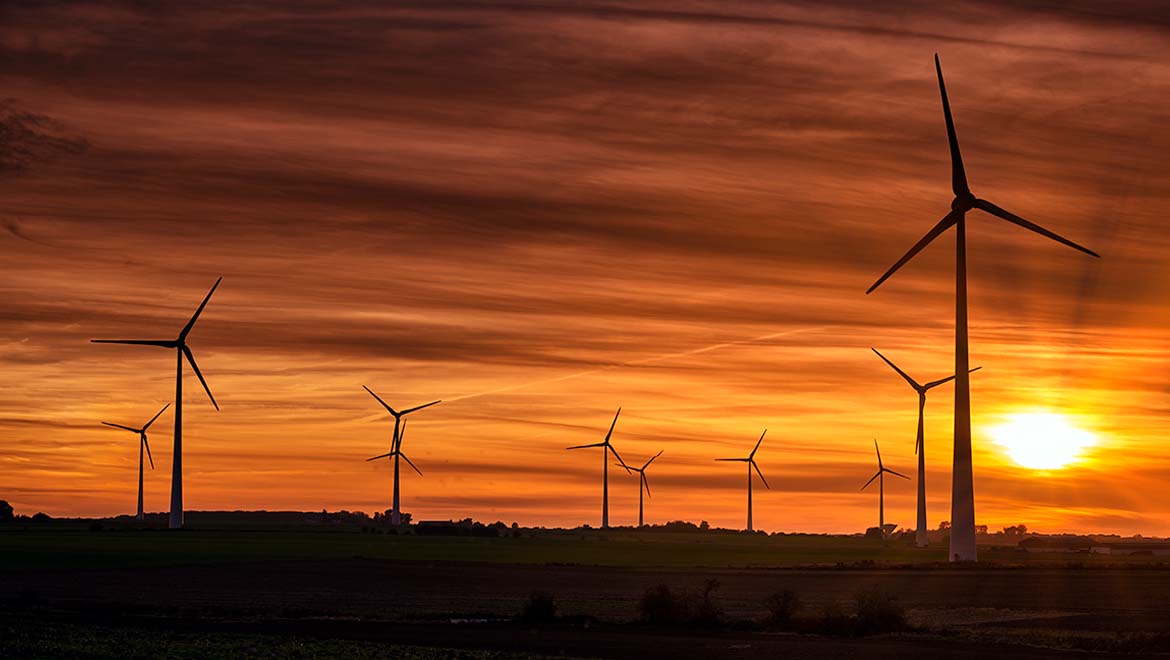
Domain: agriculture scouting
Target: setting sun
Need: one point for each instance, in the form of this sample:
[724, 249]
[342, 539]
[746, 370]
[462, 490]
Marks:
[1041, 441]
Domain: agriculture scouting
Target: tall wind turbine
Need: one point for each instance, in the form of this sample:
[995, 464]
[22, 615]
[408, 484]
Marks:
[181, 351]
[142, 443]
[880, 476]
[751, 463]
[642, 482]
[607, 448]
[962, 482]
[395, 446]
[919, 447]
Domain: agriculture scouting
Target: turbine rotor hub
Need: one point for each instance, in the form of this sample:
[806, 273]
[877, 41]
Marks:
[963, 202]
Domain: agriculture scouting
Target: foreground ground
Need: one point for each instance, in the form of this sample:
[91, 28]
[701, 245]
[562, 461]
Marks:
[324, 595]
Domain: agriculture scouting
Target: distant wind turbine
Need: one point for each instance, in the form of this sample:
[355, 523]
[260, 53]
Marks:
[962, 480]
[395, 453]
[919, 447]
[395, 448]
[643, 484]
[181, 351]
[142, 443]
[880, 476]
[607, 448]
[751, 463]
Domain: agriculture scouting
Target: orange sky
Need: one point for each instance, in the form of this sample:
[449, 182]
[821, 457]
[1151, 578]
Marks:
[539, 213]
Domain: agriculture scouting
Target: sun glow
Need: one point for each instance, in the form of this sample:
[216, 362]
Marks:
[1041, 441]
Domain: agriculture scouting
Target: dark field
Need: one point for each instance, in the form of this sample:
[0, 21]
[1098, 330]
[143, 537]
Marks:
[208, 589]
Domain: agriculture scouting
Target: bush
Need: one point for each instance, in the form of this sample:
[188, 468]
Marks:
[662, 607]
[783, 606]
[878, 611]
[540, 607]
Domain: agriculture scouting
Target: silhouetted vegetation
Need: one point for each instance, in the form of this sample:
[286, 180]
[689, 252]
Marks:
[783, 606]
[660, 606]
[541, 607]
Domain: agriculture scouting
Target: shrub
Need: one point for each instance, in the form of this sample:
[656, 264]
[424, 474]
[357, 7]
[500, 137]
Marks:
[878, 611]
[782, 607]
[540, 607]
[662, 607]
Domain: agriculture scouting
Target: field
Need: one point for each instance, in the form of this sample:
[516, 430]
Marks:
[232, 593]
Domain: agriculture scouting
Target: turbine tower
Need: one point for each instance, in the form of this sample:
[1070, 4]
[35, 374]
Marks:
[607, 447]
[395, 446]
[642, 483]
[181, 351]
[751, 461]
[962, 482]
[142, 443]
[880, 476]
[919, 447]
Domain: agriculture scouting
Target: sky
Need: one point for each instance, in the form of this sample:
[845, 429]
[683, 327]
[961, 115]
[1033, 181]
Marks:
[539, 212]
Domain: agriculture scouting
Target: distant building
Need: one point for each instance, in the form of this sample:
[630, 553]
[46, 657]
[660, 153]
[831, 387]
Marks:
[1131, 548]
[1057, 544]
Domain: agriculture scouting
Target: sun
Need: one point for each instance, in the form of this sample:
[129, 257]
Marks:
[1041, 440]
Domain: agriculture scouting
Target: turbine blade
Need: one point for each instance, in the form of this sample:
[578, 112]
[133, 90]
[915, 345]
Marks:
[875, 476]
[879, 452]
[136, 342]
[943, 225]
[194, 317]
[941, 381]
[646, 483]
[896, 474]
[757, 467]
[893, 366]
[596, 444]
[384, 404]
[155, 417]
[987, 206]
[958, 175]
[612, 424]
[757, 447]
[147, 444]
[425, 405]
[386, 455]
[652, 459]
[122, 427]
[410, 463]
[741, 460]
[195, 368]
[619, 457]
[401, 437]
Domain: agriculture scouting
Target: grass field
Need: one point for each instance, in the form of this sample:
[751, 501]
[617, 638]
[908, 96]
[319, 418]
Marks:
[80, 548]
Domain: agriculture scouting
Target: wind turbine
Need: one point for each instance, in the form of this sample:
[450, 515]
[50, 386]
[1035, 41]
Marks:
[605, 468]
[395, 453]
[962, 483]
[880, 476]
[181, 351]
[395, 446]
[919, 447]
[642, 482]
[751, 461]
[141, 444]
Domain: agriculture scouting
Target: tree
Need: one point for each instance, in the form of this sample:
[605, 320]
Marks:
[6, 512]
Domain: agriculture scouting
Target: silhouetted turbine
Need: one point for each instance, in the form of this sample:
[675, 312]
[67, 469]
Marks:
[751, 461]
[605, 467]
[181, 351]
[395, 445]
[642, 482]
[880, 476]
[919, 447]
[141, 444]
[962, 486]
